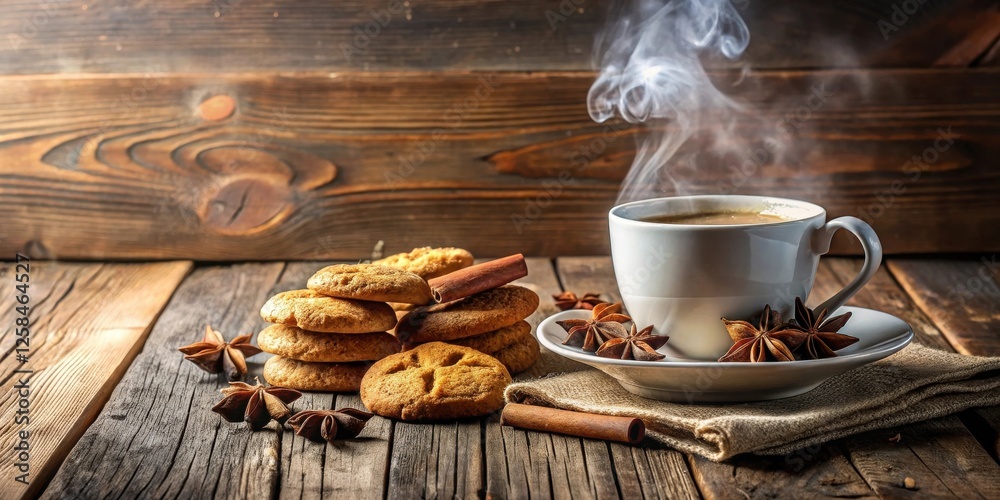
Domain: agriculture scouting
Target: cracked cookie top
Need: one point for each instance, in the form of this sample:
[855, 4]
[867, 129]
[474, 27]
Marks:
[435, 381]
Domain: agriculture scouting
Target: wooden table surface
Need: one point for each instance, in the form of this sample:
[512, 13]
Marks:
[117, 413]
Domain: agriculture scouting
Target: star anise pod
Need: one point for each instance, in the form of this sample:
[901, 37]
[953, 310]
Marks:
[255, 404]
[569, 300]
[638, 345]
[605, 323]
[214, 355]
[821, 333]
[769, 340]
[327, 425]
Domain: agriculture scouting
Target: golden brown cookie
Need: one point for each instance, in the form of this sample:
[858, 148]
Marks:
[296, 343]
[519, 356]
[480, 313]
[496, 340]
[324, 377]
[429, 262]
[311, 311]
[491, 342]
[370, 282]
[435, 381]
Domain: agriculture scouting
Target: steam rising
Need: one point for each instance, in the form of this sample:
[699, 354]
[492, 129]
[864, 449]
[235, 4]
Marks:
[650, 72]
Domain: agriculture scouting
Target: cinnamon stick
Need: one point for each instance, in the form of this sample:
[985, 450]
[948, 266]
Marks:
[478, 278]
[573, 423]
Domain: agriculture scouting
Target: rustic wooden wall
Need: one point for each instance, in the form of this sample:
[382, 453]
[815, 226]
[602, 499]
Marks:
[242, 130]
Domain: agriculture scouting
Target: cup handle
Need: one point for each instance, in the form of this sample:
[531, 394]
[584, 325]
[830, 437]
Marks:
[873, 256]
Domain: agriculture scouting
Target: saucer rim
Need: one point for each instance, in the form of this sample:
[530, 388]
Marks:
[890, 345]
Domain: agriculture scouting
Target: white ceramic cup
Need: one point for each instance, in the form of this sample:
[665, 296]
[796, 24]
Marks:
[682, 278]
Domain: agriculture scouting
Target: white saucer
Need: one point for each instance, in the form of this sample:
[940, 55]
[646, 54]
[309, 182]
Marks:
[683, 381]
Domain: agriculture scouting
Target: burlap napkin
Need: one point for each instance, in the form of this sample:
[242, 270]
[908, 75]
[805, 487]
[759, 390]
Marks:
[917, 383]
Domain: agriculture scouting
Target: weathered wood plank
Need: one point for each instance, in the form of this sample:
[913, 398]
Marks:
[87, 323]
[233, 35]
[600, 470]
[542, 465]
[962, 297]
[447, 459]
[319, 165]
[354, 468]
[157, 435]
[358, 468]
[978, 41]
[941, 455]
[819, 472]
[984, 423]
[885, 465]
[436, 460]
[302, 461]
[513, 476]
[882, 293]
[945, 446]
[579, 468]
[992, 56]
[661, 472]
[670, 477]
[967, 28]
[537, 464]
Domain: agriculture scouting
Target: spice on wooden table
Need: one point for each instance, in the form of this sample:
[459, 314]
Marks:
[478, 278]
[573, 423]
[329, 425]
[255, 404]
[569, 300]
[214, 355]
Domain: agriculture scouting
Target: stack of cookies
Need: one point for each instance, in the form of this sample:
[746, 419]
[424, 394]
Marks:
[326, 337]
[491, 322]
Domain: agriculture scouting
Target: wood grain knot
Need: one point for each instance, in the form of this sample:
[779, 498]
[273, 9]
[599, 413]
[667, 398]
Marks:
[257, 188]
[245, 204]
[36, 249]
[217, 107]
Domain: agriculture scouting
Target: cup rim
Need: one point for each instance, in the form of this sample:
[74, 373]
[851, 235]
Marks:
[817, 210]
